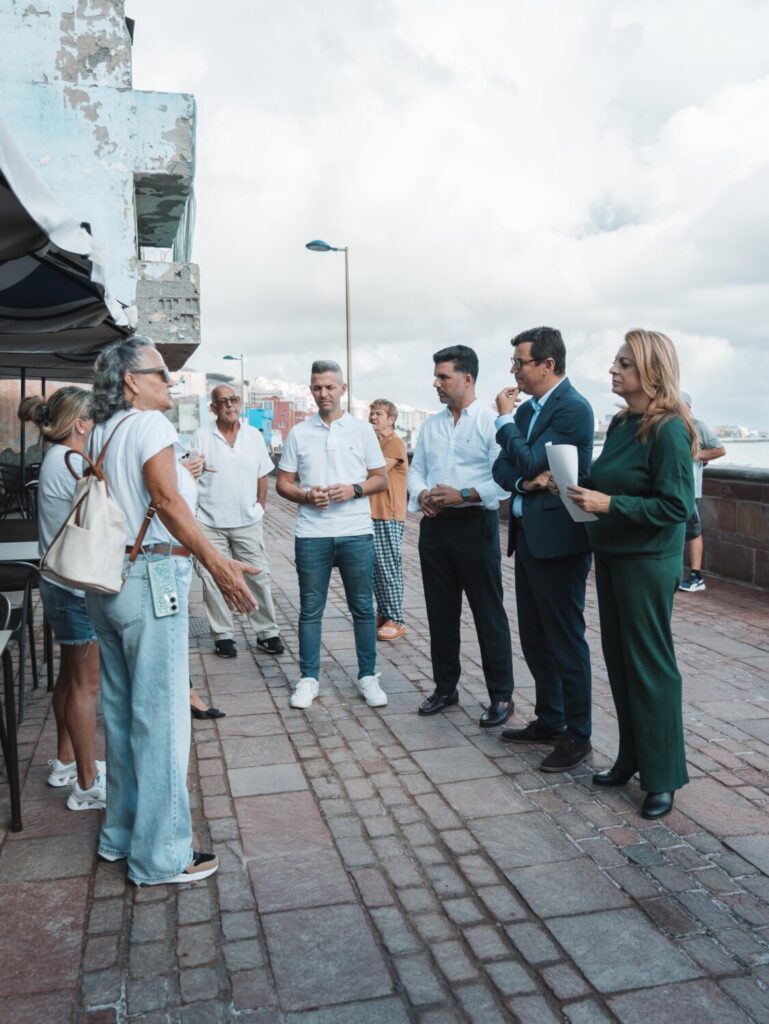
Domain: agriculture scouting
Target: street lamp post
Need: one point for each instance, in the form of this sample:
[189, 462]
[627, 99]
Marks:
[318, 246]
[243, 401]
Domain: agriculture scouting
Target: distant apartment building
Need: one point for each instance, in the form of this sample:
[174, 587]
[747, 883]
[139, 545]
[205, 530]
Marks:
[118, 159]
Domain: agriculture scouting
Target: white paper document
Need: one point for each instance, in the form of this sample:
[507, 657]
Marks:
[564, 465]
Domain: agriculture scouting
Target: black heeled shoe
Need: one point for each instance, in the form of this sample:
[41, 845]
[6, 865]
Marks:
[612, 777]
[657, 805]
[208, 713]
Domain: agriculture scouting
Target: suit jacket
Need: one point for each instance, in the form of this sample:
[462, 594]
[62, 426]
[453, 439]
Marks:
[566, 418]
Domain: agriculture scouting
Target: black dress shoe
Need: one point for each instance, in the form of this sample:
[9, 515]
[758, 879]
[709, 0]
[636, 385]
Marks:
[438, 702]
[272, 645]
[225, 648]
[497, 713]
[568, 753]
[208, 713]
[612, 777]
[657, 805]
[534, 732]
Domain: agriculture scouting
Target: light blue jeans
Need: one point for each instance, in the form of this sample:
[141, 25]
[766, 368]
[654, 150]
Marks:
[145, 699]
[354, 557]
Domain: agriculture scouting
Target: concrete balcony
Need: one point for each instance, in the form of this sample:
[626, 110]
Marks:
[168, 304]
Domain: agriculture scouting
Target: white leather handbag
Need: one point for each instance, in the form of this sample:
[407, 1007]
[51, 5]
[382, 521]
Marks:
[89, 550]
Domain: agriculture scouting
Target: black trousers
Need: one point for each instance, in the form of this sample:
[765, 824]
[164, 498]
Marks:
[550, 597]
[459, 553]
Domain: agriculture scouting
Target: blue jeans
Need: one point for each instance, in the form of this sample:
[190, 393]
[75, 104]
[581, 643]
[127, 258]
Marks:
[145, 699]
[354, 557]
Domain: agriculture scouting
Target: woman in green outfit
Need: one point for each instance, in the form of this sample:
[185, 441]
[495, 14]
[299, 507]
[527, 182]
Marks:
[641, 488]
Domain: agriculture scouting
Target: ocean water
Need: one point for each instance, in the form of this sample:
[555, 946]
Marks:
[754, 454]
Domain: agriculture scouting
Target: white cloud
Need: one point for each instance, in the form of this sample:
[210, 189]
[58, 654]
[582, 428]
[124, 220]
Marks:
[492, 165]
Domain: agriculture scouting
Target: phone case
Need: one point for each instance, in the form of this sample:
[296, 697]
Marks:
[162, 577]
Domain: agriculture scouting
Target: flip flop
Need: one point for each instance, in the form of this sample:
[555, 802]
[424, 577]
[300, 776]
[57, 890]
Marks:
[390, 631]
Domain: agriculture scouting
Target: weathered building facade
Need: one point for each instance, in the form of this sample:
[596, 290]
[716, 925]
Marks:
[120, 159]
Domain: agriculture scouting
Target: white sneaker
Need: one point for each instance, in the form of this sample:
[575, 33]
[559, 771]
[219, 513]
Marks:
[65, 774]
[92, 799]
[62, 774]
[371, 691]
[305, 692]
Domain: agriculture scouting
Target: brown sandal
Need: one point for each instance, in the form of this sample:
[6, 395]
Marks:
[390, 631]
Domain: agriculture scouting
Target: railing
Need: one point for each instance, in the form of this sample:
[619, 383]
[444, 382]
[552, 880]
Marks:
[735, 524]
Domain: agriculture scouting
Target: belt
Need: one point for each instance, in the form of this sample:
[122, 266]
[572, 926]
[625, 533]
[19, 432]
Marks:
[462, 513]
[162, 549]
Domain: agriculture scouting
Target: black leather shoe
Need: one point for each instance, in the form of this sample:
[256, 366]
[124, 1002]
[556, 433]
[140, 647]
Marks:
[438, 702]
[612, 777]
[657, 805]
[568, 753]
[497, 713]
[225, 648]
[272, 645]
[208, 713]
[534, 732]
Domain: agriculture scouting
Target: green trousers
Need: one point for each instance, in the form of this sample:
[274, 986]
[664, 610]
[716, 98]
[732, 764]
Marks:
[635, 603]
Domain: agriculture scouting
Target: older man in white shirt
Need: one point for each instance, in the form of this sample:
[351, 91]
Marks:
[232, 493]
[330, 465]
[450, 481]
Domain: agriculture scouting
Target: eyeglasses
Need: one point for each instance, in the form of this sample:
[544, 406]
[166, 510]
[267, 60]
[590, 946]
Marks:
[518, 364]
[164, 372]
[227, 401]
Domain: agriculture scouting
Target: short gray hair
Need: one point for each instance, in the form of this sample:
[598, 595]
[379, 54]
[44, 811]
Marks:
[327, 366]
[108, 396]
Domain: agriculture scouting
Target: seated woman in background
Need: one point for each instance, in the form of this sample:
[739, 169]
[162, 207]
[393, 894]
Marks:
[641, 487]
[65, 420]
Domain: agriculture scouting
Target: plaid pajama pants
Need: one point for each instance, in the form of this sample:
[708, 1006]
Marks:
[388, 569]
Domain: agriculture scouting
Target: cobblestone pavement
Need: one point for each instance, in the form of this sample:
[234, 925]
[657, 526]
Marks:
[380, 868]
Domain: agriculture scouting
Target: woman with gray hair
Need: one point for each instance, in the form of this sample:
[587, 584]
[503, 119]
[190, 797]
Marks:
[143, 630]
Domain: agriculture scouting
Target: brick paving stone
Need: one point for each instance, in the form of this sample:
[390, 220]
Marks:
[699, 1001]
[40, 1007]
[487, 941]
[148, 958]
[419, 979]
[446, 880]
[351, 966]
[564, 982]
[251, 989]
[37, 860]
[454, 963]
[481, 1005]
[394, 931]
[195, 945]
[533, 943]
[514, 841]
[620, 949]
[416, 900]
[243, 955]
[147, 994]
[501, 904]
[101, 987]
[566, 887]
[464, 910]
[670, 916]
[198, 984]
[101, 951]
[372, 886]
[148, 922]
[587, 1011]
[444, 765]
[510, 978]
[201, 1013]
[633, 881]
[432, 927]
[533, 1010]
[374, 1011]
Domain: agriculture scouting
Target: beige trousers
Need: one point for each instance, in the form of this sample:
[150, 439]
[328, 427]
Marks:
[244, 544]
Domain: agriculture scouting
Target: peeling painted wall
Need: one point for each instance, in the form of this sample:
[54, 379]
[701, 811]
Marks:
[65, 77]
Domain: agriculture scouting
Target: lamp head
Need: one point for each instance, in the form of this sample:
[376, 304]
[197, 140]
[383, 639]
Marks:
[318, 246]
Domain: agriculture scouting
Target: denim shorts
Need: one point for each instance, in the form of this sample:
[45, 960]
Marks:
[66, 614]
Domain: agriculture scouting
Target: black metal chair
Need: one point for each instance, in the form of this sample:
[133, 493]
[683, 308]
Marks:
[12, 493]
[23, 577]
[8, 740]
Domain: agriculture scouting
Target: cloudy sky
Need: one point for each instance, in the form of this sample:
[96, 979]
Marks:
[493, 165]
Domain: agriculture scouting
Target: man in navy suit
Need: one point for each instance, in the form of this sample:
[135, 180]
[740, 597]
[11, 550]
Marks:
[552, 556]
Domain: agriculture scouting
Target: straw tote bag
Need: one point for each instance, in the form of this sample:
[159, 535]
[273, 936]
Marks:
[89, 550]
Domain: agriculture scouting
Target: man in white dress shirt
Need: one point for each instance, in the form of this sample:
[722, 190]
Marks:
[232, 493]
[450, 481]
[330, 465]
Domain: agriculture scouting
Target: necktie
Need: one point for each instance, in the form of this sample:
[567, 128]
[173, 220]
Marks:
[536, 408]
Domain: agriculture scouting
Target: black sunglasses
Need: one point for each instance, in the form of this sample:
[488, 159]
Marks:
[164, 372]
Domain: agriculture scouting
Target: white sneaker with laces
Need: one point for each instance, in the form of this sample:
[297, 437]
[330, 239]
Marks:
[92, 799]
[305, 692]
[371, 691]
[65, 774]
[61, 774]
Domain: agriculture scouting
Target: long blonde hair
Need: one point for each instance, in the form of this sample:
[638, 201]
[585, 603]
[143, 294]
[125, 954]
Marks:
[56, 416]
[657, 363]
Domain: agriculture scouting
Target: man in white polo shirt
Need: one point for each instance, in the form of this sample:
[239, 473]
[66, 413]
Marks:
[232, 492]
[330, 465]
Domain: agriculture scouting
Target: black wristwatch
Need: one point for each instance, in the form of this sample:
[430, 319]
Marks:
[465, 492]
[358, 490]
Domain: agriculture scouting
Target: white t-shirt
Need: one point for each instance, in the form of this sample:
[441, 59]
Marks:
[227, 498]
[141, 437]
[55, 491]
[341, 452]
